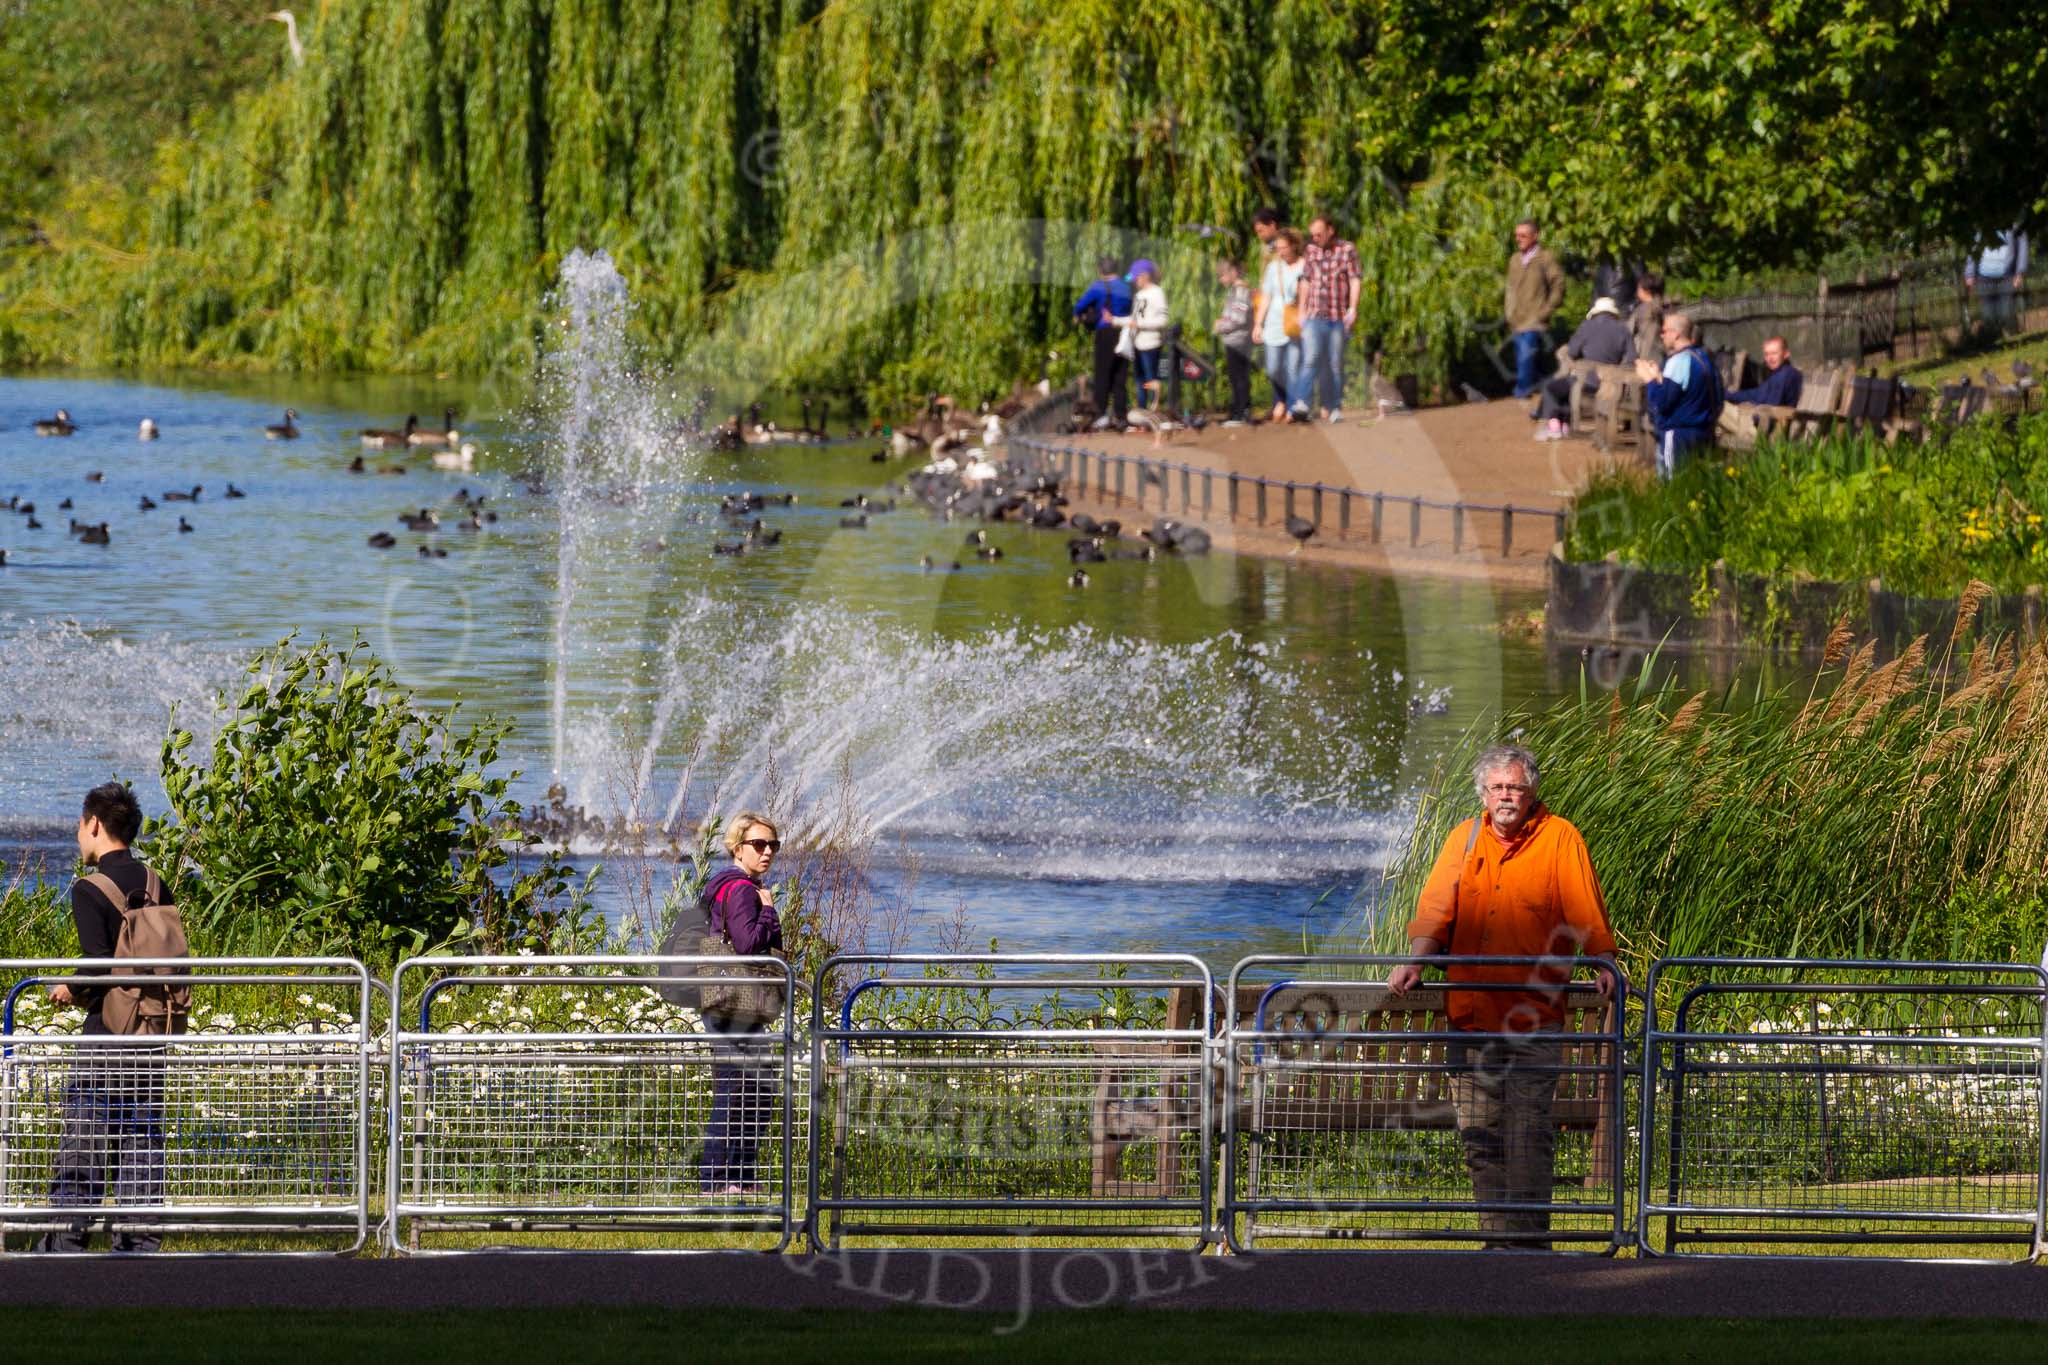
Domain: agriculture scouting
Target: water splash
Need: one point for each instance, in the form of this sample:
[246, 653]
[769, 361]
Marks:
[80, 704]
[619, 476]
[1017, 750]
[1013, 750]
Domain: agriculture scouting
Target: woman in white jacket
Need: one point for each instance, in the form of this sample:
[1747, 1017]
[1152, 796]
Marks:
[1148, 322]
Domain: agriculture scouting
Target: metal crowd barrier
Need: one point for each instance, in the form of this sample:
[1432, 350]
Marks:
[1782, 1106]
[1846, 1107]
[250, 1128]
[570, 1105]
[1344, 1105]
[1007, 1096]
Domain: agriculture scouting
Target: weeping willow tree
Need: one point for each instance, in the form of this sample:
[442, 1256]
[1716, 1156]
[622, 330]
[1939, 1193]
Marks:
[882, 195]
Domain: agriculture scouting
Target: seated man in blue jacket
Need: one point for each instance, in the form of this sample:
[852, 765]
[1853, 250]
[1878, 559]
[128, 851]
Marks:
[1684, 400]
[1782, 381]
[1780, 389]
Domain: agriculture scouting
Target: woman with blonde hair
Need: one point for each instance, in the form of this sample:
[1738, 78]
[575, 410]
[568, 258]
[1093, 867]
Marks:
[739, 908]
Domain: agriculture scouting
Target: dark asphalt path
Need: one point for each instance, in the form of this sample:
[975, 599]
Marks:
[1018, 1283]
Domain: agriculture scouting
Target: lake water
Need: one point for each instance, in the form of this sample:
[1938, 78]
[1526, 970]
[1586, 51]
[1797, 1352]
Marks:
[1207, 755]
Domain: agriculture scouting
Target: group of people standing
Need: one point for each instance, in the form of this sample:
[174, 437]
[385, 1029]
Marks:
[1296, 301]
[1127, 314]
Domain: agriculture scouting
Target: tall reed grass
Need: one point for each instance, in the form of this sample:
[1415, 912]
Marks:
[1895, 809]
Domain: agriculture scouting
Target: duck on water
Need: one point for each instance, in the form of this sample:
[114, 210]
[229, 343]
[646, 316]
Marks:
[383, 439]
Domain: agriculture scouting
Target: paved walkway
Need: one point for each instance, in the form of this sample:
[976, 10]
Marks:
[1480, 453]
[1017, 1284]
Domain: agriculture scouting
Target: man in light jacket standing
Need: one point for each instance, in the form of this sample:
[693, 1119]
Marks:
[1535, 288]
[1997, 275]
[1515, 881]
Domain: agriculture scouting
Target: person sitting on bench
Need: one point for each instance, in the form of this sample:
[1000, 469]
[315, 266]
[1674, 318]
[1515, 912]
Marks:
[1781, 389]
[1782, 380]
[1602, 339]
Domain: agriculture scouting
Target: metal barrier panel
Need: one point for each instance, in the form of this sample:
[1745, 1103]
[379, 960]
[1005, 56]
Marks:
[1354, 1115]
[1844, 1108]
[249, 1132]
[993, 1096]
[585, 1103]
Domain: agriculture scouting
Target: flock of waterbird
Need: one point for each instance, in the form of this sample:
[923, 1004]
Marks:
[957, 483]
[990, 493]
[444, 446]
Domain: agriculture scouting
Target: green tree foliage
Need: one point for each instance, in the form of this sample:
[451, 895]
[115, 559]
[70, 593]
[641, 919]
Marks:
[335, 814]
[896, 195]
[1735, 134]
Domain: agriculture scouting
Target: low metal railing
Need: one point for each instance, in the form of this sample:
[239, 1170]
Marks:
[1770, 1107]
[252, 1127]
[1010, 1096]
[1356, 1116]
[1202, 493]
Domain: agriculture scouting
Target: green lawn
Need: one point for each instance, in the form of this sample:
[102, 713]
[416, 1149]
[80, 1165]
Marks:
[2031, 347]
[308, 1338]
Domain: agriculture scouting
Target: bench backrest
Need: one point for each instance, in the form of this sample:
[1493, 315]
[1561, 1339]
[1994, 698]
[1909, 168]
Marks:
[1820, 391]
[1388, 1080]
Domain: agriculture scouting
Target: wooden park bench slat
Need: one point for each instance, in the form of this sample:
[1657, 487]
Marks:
[1353, 1095]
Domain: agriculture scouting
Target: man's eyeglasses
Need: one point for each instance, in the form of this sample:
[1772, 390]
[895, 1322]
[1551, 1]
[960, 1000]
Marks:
[763, 845]
[1505, 788]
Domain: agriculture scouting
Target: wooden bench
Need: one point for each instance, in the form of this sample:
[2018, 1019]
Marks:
[1821, 393]
[1589, 380]
[1618, 419]
[1412, 1093]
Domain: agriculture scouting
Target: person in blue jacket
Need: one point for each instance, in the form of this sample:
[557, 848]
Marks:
[1782, 380]
[1108, 298]
[1684, 399]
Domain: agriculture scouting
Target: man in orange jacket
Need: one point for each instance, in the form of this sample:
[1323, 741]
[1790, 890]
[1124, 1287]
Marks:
[1514, 881]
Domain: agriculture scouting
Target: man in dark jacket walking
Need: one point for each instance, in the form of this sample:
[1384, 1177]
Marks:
[1108, 298]
[1535, 288]
[113, 1102]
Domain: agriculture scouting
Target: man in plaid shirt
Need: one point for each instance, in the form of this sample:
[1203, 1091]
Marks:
[1329, 310]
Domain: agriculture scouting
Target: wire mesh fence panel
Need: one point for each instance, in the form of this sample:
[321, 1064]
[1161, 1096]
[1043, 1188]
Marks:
[599, 1103]
[248, 1131]
[1844, 1108]
[1002, 1098]
[1353, 1115]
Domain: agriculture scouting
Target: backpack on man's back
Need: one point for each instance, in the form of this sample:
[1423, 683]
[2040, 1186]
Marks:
[152, 929]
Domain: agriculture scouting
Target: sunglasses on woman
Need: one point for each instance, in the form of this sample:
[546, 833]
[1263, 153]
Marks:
[763, 845]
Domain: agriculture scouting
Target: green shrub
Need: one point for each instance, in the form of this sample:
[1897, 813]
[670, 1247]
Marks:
[1925, 519]
[334, 815]
[35, 916]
